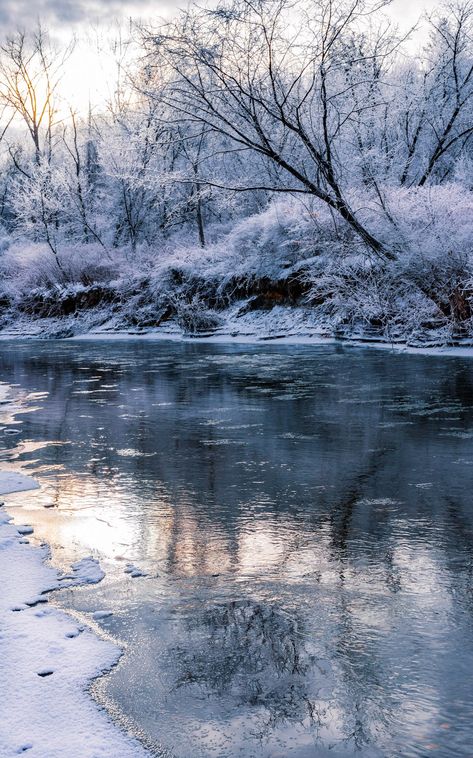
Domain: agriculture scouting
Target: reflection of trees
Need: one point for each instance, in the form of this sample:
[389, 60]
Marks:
[250, 652]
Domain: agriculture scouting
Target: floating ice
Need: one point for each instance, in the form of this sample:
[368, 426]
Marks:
[87, 571]
[14, 481]
[134, 571]
[98, 615]
[25, 529]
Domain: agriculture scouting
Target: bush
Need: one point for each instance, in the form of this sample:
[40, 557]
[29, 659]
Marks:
[195, 317]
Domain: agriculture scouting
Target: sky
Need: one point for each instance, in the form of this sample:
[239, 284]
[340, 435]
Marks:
[90, 74]
[74, 14]
[71, 14]
[91, 71]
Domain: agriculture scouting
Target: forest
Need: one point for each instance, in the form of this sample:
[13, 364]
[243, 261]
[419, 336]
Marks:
[303, 160]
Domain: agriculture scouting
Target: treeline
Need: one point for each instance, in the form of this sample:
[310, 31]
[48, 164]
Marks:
[263, 137]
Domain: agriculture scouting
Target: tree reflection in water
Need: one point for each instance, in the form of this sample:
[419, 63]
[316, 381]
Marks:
[253, 651]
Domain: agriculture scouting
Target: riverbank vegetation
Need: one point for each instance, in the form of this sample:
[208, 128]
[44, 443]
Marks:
[254, 154]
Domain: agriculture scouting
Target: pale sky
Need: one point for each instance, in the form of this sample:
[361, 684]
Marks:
[75, 14]
[406, 12]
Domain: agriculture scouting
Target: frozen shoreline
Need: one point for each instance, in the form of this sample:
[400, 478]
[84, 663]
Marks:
[303, 340]
[48, 659]
[278, 326]
[47, 664]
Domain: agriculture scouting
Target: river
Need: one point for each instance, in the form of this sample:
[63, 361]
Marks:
[303, 518]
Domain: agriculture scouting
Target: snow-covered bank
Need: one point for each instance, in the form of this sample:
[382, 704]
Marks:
[281, 325]
[48, 659]
[271, 276]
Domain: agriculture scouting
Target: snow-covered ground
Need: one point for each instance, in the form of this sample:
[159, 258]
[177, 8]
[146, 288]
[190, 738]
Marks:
[47, 658]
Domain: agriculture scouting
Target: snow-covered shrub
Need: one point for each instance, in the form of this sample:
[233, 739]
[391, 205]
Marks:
[436, 227]
[269, 246]
[428, 285]
[27, 265]
[195, 317]
[357, 294]
[430, 232]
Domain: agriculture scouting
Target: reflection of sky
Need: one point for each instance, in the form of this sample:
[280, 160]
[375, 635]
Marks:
[304, 517]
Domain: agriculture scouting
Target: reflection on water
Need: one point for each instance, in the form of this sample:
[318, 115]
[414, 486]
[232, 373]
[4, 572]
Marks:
[304, 519]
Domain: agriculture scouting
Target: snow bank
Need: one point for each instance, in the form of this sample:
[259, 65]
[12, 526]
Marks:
[47, 661]
[285, 271]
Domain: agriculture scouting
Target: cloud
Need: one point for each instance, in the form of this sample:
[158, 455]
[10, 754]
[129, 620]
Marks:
[64, 13]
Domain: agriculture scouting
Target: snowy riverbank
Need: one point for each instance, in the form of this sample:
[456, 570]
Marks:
[47, 658]
[294, 325]
[262, 281]
[280, 325]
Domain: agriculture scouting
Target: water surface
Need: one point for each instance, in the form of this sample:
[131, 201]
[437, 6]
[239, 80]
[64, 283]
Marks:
[305, 521]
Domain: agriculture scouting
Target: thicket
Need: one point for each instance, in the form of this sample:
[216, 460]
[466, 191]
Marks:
[276, 152]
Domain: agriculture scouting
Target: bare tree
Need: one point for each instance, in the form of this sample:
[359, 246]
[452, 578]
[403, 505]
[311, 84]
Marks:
[30, 74]
[267, 76]
[437, 119]
[192, 149]
[450, 119]
[82, 187]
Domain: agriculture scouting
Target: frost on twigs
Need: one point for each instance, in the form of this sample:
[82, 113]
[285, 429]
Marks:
[284, 157]
[195, 316]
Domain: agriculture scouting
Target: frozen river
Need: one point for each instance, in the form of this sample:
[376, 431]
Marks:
[304, 520]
